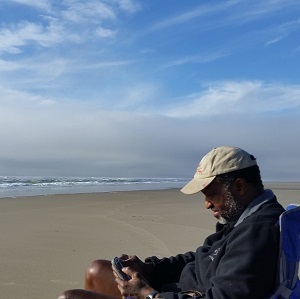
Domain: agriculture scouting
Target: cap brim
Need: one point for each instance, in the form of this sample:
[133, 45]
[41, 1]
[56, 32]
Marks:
[196, 185]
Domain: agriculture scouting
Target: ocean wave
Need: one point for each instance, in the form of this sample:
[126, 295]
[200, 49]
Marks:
[19, 186]
[17, 182]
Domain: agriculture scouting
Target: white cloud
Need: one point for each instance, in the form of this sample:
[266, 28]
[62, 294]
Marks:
[184, 17]
[18, 101]
[8, 66]
[104, 32]
[200, 58]
[106, 64]
[13, 37]
[72, 21]
[39, 72]
[260, 9]
[40, 4]
[236, 12]
[92, 11]
[130, 6]
[135, 96]
[273, 41]
[281, 31]
[238, 97]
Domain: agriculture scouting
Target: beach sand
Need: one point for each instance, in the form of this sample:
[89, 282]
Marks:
[47, 242]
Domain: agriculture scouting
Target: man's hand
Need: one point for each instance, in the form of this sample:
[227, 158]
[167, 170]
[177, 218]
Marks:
[137, 286]
[146, 269]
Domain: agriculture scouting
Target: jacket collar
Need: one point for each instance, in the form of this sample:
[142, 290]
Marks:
[255, 205]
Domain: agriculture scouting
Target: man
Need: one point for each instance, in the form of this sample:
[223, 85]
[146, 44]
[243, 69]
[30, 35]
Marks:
[238, 261]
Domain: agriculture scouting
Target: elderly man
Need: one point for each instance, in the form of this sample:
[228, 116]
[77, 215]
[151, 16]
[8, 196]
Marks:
[238, 261]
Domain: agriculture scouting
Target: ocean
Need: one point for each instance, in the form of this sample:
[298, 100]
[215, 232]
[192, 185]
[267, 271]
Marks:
[19, 186]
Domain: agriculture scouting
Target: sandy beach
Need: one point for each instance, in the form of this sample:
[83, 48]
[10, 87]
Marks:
[47, 242]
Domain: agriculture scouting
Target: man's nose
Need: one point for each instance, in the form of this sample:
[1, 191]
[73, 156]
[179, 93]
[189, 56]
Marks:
[208, 205]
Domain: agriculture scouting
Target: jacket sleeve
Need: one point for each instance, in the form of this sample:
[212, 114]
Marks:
[168, 270]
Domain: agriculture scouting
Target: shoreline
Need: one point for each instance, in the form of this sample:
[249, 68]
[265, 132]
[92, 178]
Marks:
[38, 191]
[128, 188]
[84, 193]
[47, 242]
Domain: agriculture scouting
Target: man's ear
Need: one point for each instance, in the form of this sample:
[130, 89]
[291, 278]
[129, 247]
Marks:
[240, 186]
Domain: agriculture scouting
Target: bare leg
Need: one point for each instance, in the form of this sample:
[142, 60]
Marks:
[99, 278]
[99, 283]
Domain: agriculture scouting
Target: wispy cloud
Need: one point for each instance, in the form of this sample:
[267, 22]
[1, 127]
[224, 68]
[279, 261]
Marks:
[40, 4]
[92, 11]
[203, 10]
[216, 98]
[104, 64]
[288, 27]
[104, 32]
[14, 37]
[9, 66]
[233, 12]
[130, 6]
[34, 73]
[209, 19]
[273, 41]
[239, 98]
[200, 58]
[93, 19]
[282, 31]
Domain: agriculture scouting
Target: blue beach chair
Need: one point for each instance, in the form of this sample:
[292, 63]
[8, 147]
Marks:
[289, 284]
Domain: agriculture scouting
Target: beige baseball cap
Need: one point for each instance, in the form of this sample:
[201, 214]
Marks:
[219, 160]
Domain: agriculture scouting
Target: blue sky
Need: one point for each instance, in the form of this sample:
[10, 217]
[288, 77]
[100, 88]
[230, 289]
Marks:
[145, 88]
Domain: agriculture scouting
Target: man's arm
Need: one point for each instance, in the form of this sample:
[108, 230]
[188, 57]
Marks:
[247, 266]
[168, 270]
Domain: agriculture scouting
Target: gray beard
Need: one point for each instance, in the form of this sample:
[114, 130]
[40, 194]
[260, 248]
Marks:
[222, 220]
[233, 209]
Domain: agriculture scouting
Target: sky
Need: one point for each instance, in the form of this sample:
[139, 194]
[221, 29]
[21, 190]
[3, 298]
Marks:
[145, 88]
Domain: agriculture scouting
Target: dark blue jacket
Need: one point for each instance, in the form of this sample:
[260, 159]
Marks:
[236, 262]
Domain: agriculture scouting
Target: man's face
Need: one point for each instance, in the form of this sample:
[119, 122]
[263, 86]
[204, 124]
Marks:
[225, 205]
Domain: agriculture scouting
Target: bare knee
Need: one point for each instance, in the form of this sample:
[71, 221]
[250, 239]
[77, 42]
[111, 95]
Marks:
[99, 278]
[97, 269]
[98, 266]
